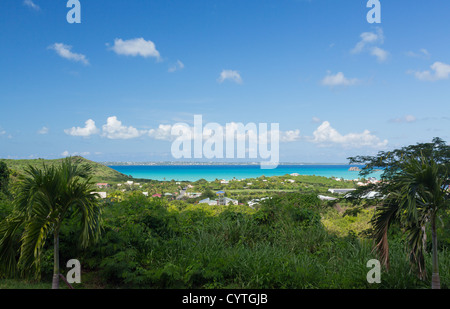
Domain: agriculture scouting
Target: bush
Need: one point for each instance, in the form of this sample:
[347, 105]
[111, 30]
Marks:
[152, 243]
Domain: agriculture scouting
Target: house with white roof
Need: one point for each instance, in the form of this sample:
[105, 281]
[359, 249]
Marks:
[340, 191]
[101, 195]
[226, 201]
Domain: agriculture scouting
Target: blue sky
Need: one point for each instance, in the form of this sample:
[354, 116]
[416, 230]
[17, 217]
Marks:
[111, 87]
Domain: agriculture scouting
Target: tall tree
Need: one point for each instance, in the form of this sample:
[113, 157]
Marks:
[419, 194]
[390, 162]
[44, 199]
[414, 183]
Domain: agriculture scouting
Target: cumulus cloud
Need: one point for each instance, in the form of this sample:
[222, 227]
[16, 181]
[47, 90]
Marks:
[164, 132]
[289, 136]
[326, 135]
[136, 47]
[439, 71]
[88, 130]
[338, 80]
[113, 129]
[230, 75]
[31, 4]
[64, 51]
[177, 66]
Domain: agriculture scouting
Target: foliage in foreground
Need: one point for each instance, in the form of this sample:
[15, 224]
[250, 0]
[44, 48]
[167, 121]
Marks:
[45, 198]
[150, 243]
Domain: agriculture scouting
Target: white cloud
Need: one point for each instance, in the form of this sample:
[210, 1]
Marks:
[163, 132]
[2, 132]
[43, 130]
[136, 47]
[326, 135]
[65, 52]
[289, 136]
[88, 130]
[113, 129]
[410, 118]
[316, 119]
[338, 80]
[368, 42]
[407, 119]
[422, 53]
[440, 71]
[67, 153]
[177, 66]
[85, 153]
[230, 75]
[31, 4]
[368, 38]
[381, 54]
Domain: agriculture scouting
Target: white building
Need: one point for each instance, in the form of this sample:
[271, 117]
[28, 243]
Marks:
[256, 201]
[211, 202]
[340, 191]
[326, 198]
[100, 194]
[193, 194]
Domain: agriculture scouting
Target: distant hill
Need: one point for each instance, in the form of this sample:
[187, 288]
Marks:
[100, 172]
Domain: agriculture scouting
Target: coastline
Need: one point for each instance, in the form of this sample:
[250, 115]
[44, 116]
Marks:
[211, 172]
[174, 163]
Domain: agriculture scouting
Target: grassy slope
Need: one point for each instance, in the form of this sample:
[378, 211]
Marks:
[100, 172]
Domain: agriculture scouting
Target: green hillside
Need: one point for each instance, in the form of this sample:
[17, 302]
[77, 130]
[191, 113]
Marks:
[100, 172]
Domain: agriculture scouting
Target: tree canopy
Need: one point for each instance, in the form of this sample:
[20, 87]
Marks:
[390, 162]
[4, 177]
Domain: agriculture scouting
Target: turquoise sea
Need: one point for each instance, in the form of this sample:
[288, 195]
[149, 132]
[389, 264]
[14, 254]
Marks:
[228, 172]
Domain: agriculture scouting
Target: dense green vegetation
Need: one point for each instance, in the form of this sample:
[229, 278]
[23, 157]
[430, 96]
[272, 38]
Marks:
[293, 240]
[285, 243]
[100, 172]
[45, 197]
[242, 190]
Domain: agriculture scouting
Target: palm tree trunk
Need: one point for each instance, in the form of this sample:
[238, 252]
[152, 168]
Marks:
[435, 280]
[55, 283]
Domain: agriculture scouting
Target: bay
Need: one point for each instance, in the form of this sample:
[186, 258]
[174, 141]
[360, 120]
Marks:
[228, 172]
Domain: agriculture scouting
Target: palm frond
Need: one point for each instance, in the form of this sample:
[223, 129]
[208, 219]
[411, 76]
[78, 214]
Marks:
[10, 229]
[384, 217]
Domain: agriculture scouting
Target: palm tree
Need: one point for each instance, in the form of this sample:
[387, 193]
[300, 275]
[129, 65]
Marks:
[44, 199]
[417, 194]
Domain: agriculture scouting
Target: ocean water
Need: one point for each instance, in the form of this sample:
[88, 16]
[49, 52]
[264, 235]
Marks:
[228, 172]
